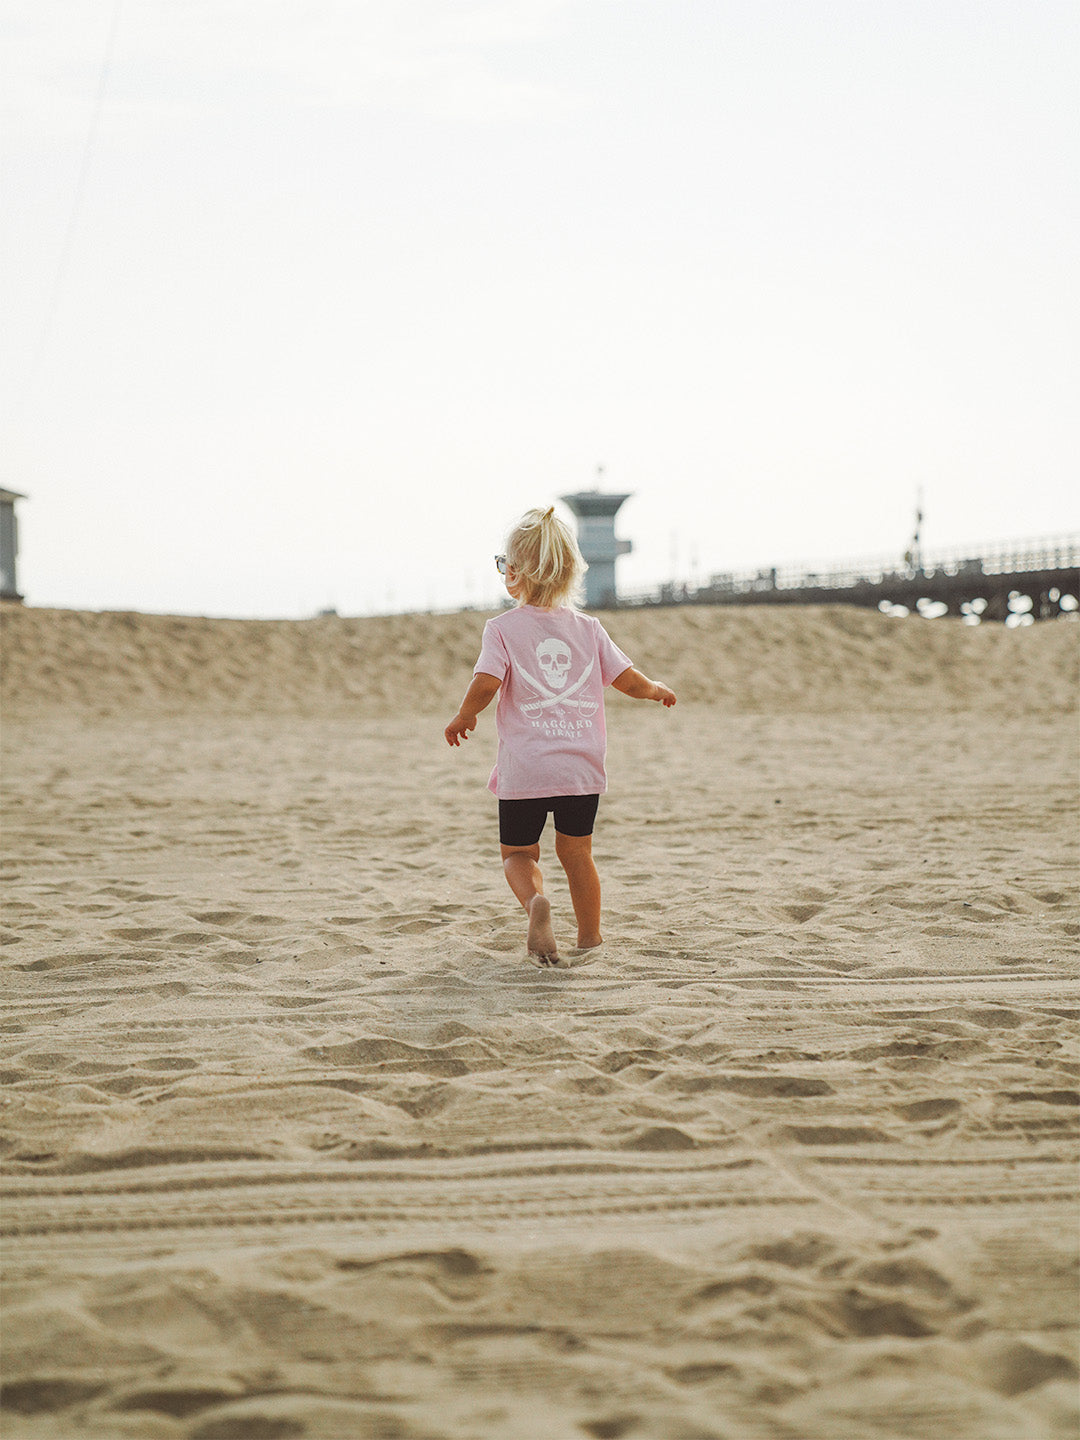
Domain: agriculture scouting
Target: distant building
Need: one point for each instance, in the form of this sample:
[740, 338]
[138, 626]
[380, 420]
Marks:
[9, 545]
[595, 514]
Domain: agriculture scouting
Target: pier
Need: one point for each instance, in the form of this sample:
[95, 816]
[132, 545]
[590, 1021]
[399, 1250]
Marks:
[1037, 578]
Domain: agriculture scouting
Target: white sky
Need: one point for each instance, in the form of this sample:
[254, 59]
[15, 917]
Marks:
[324, 293]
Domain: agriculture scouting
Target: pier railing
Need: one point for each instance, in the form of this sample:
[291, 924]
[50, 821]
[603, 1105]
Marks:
[1050, 561]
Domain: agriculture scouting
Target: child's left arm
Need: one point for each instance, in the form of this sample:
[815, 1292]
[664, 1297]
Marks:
[639, 687]
[479, 695]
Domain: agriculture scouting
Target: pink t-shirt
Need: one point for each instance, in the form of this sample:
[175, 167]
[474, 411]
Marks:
[553, 665]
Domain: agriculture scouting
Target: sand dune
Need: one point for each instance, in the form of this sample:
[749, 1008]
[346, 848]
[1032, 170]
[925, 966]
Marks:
[758, 659]
[297, 1143]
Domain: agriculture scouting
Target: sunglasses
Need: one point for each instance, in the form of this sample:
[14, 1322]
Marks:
[500, 564]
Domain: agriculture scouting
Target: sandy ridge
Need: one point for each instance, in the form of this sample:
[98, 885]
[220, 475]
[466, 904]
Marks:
[741, 659]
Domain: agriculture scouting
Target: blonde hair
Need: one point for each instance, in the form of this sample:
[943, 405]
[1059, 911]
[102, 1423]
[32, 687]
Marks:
[546, 560]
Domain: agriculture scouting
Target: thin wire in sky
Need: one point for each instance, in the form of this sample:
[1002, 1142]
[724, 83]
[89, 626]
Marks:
[67, 246]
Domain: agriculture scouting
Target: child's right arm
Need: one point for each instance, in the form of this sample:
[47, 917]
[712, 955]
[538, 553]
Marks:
[479, 695]
[639, 687]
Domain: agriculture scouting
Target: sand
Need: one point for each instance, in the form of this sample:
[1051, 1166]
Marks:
[298, 1144]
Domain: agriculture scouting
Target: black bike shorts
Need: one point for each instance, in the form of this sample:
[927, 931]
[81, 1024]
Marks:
[521, 822]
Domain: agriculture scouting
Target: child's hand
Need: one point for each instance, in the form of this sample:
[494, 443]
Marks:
[480, 693]
[639, 687]
[459, 728]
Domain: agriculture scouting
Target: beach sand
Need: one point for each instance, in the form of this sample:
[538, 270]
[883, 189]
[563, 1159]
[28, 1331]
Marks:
[297, 1143]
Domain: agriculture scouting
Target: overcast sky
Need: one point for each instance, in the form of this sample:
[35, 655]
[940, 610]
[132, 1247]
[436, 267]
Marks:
[305, 300]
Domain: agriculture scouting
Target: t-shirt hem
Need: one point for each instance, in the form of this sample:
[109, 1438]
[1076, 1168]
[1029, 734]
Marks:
[543, 794]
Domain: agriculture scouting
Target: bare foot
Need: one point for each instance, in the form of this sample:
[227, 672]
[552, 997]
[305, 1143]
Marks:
[542, 945]
[589, 942]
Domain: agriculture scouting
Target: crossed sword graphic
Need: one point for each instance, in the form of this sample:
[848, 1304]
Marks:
[554, 698]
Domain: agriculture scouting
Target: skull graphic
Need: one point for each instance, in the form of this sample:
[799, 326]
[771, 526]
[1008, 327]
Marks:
[554, 657]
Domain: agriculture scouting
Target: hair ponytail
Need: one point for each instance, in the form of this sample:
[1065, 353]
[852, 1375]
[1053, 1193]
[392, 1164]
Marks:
[546, 559]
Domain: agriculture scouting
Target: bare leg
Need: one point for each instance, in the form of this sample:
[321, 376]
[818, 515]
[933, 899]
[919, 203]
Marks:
[523, 874]
[575, 856]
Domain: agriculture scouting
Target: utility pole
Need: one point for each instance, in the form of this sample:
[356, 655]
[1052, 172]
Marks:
[913, 556]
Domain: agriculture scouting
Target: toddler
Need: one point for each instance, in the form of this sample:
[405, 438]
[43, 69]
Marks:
[549, 664]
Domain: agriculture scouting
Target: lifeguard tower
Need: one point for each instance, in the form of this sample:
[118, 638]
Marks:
[595, 513]
[9, 544]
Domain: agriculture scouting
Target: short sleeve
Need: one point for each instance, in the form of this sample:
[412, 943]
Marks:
[613, 661]
[494, 659]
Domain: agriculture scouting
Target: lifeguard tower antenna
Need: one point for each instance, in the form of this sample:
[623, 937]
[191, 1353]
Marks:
[595, 513]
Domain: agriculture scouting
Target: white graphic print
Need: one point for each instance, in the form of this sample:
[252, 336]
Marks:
[553, 691]
[554, 657]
